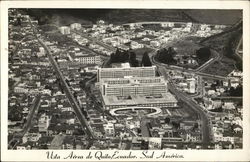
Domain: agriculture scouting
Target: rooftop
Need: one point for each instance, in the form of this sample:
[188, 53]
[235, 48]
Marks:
[139, 99]
[57, 141]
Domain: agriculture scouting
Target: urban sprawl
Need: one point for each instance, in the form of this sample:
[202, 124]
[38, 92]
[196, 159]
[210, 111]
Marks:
[126, 87]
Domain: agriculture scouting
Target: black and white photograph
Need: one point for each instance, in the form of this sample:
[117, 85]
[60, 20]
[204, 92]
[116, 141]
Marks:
[124, 79]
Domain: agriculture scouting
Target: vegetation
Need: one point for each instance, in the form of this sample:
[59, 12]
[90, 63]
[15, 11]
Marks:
[225, 43]
[236, 92]
[217, 110]
[146, 60]
[166, 56]
[115, 16]
[58, 37]
[124, 56]
[203, 54]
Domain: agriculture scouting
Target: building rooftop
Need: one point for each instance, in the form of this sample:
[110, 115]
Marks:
[133, 80]
[139, 99]
[57, 142]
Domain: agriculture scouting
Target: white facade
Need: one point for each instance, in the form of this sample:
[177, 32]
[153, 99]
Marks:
[122, 72]
[133, 86]
[64, 30]
[43, 123]
[76, 26]
[109, 129]
[192, 85]
[89, 59]
[21, 90]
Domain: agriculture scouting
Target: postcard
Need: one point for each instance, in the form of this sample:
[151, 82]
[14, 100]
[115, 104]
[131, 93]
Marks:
[125, 80]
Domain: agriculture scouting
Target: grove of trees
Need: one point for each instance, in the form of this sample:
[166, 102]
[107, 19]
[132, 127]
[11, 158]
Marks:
[238, 91]
[124, 56]
[146, 60]
[203, 54]
[166, 56]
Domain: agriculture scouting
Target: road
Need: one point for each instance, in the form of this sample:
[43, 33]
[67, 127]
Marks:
[212, 60]
[188, 100]
[144, 128]
[191, 71]
[17, 137]
[67, 91]
[237, 48]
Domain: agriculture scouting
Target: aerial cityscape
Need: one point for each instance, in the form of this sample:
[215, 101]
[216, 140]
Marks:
[125, 79]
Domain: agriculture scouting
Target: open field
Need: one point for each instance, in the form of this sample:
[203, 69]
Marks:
[225, 44]
[184, 47]
[222, 68]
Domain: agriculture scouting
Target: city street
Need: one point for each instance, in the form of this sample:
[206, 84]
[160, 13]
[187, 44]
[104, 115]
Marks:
[18, 136]
[188, 100]
[68, 93]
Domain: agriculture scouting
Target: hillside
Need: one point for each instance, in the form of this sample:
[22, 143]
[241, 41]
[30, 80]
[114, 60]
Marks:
[225, 43]
[120, 16]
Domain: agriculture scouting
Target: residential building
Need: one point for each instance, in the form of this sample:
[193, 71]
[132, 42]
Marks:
[90, 59]
[191, 85]
[43, 123]
[109, 129]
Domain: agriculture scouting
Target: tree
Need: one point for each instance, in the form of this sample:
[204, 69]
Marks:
[167, 120]
[166, 56]
[132, 59]
[176, 124]
[82, 84]
[238, 91]
[119, 56]
[146, 60]
[203, 54]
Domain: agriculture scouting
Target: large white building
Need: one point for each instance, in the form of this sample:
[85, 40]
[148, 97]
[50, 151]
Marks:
[43, 123]
[133, 86]
[76, 26]
[64, 30]
[191, 85]
[88, 59]
[103, 73]
[161, 100]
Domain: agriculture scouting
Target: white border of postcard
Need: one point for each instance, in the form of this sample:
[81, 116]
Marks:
[189, 155]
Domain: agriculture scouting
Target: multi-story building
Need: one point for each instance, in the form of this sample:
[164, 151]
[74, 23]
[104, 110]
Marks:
[191, 85]
[123, 72]
[88, 59]
[76, 26]
[133, 86]
[109, 129]
[160, 100]
[43, 123]
[21, 90]
[64, 30]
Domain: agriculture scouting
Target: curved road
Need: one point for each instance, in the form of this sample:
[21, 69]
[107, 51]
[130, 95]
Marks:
[182, 96]
[157, 110]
